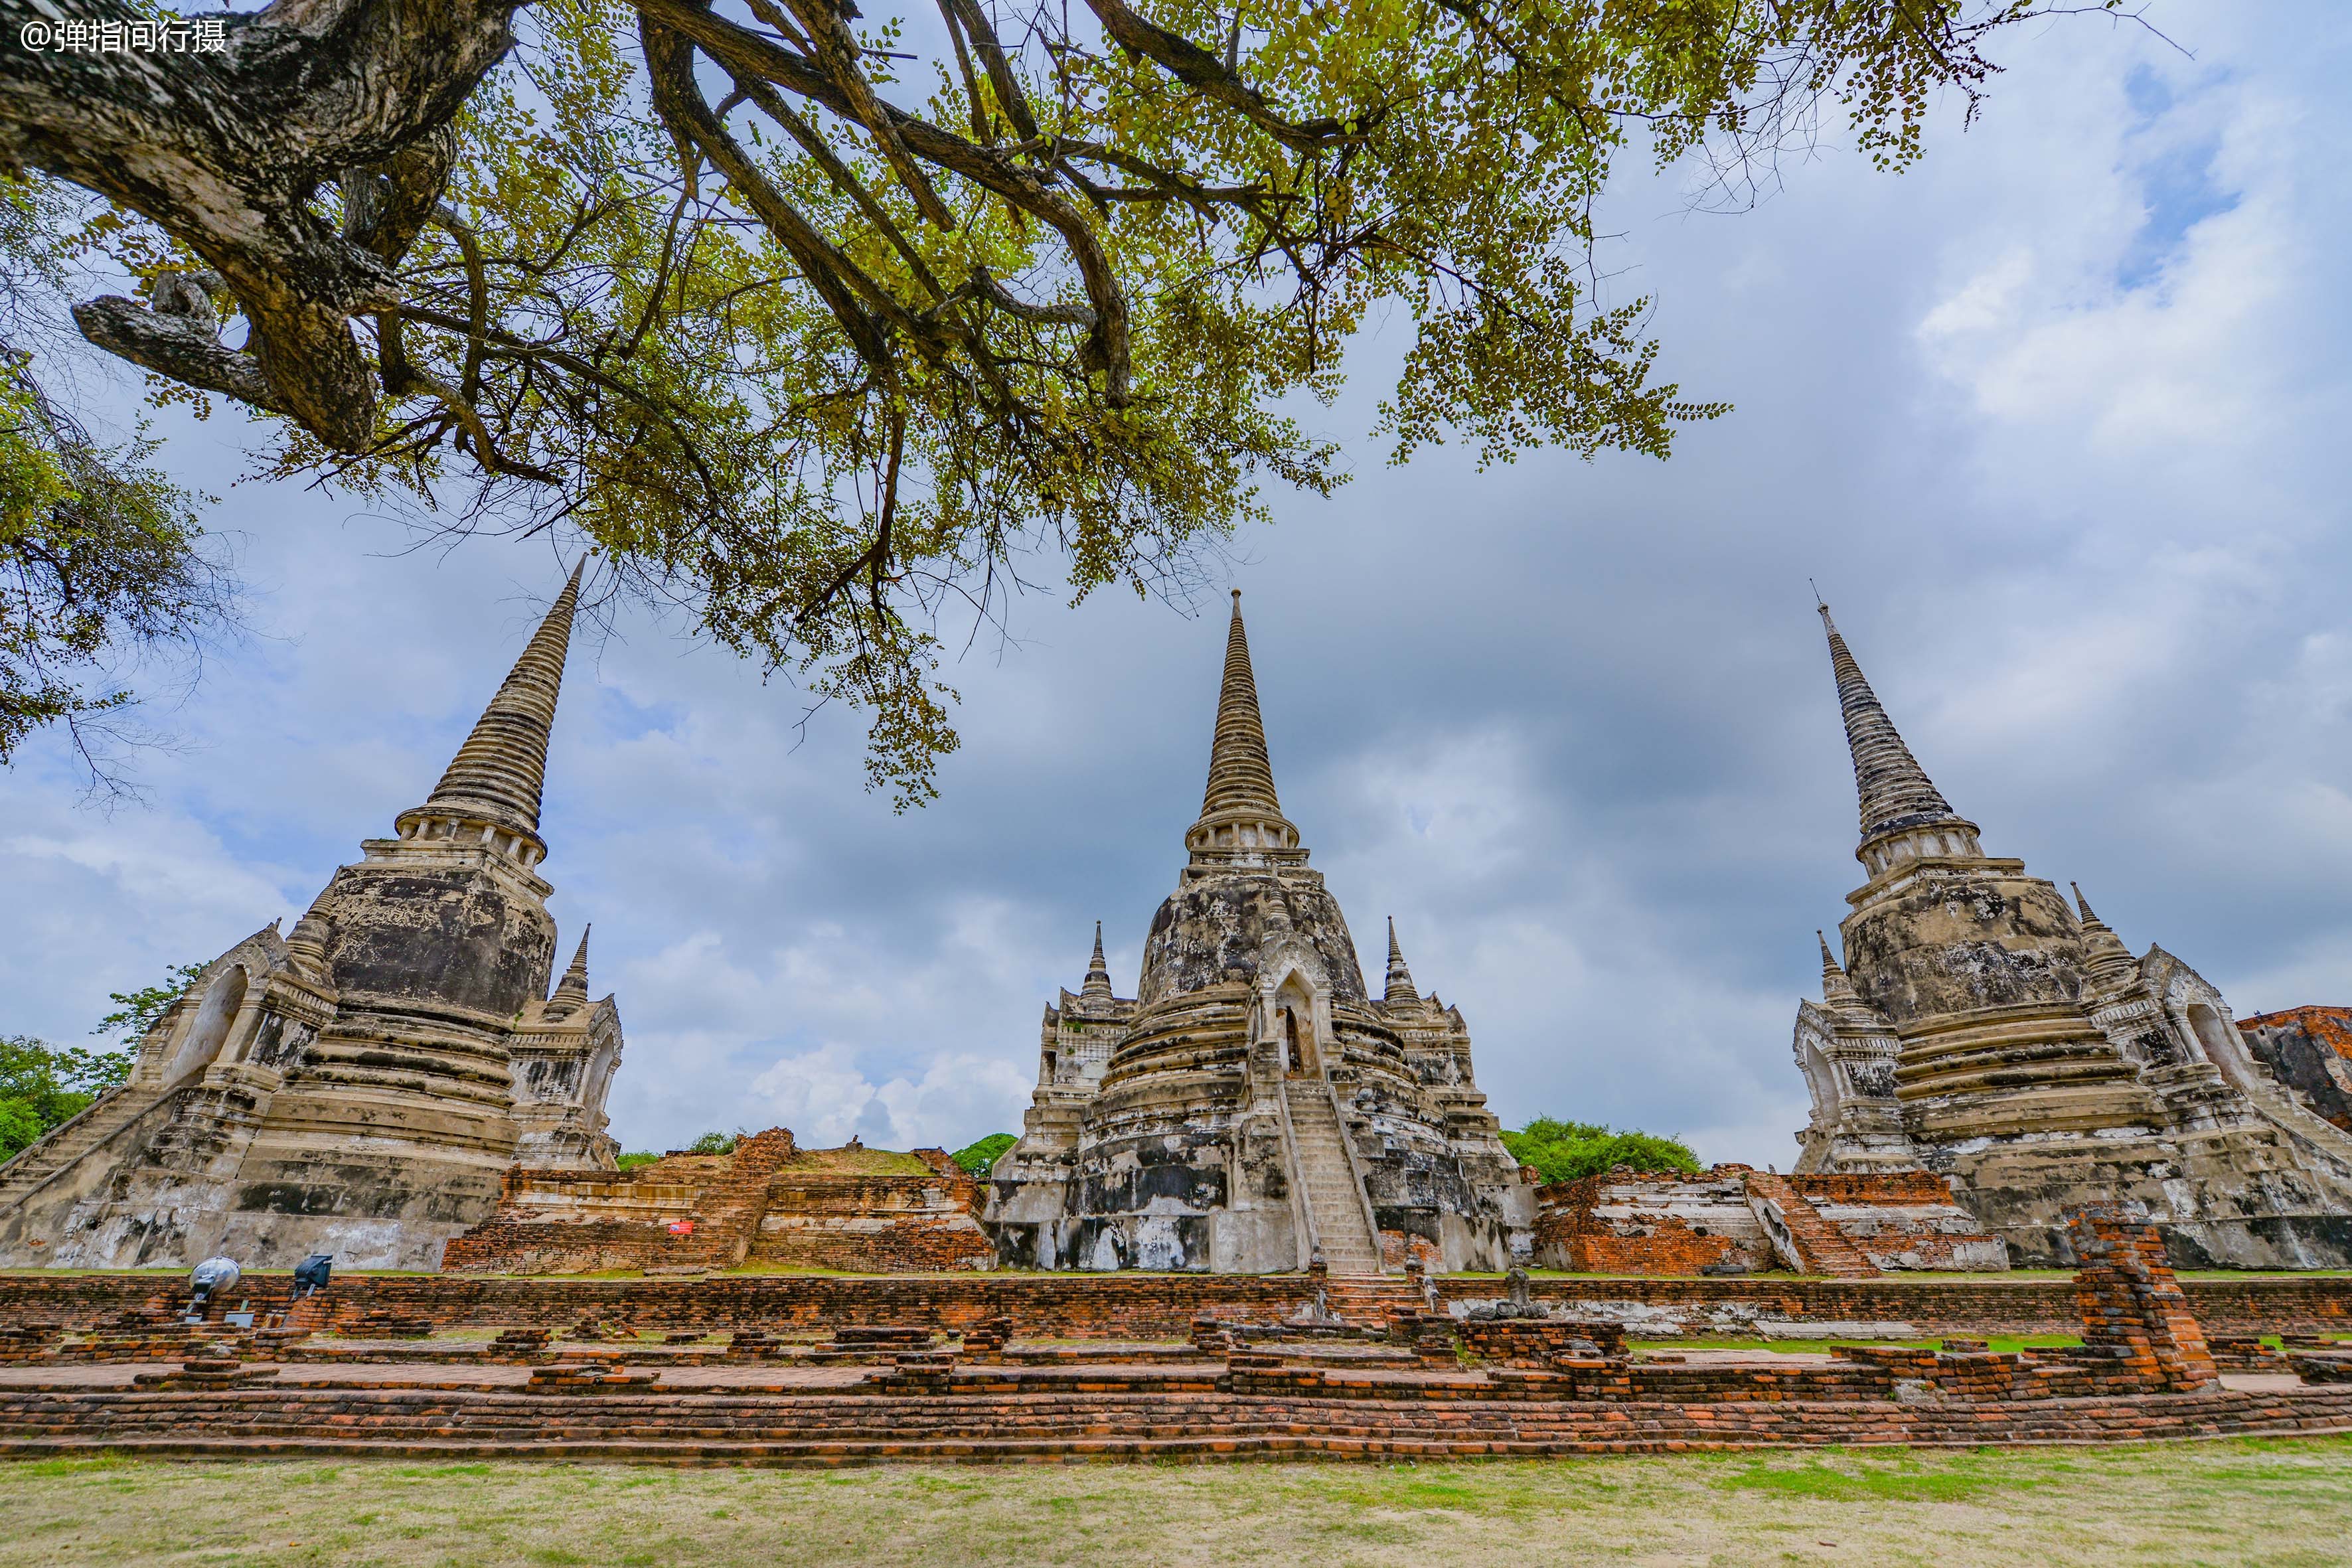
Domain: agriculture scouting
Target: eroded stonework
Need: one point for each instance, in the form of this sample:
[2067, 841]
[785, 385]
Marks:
[1252, 1107]
[361, 1085]
[1983, 1029]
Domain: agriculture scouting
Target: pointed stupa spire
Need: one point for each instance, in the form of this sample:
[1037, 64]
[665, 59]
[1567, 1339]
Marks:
[1894, 791]
[1239, 810]
[492, 785]
[573, 986]
[1835, 987]
[1098, 971]
[1401, 986]
[2110, 963]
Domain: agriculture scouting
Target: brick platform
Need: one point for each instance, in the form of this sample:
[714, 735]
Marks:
[1242, 1385]
[1133, 1306]
[587, 1420]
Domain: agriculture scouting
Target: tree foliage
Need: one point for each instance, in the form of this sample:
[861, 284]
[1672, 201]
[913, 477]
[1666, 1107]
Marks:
[836, 342]
[135, 1012]
[101, 557]
[979, 1158]
[43, 1086]
[1571, 1150]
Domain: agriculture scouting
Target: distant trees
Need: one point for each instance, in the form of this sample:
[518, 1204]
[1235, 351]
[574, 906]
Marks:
[980, 1158]
[825, 339]
[1569, 1151]
[43, 1086]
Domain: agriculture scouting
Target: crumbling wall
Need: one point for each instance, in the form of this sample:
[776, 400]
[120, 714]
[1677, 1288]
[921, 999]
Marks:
[2136, 1318]
[2310, 1050]
[1651, 1223]
[1670, 1223]
[868, 1210]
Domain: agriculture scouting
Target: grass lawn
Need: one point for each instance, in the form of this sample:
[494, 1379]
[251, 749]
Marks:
[2277, 1503]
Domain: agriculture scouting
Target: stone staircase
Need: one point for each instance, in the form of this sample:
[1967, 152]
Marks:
[1349, 1248]
[1795, 1225]
[71, 1139]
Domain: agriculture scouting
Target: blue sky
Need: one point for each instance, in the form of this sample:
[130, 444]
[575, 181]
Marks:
[2056, 421]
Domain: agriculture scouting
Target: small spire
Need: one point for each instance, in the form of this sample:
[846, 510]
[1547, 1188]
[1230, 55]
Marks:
[1835, 987]
[1894, 790]
[2110, 963]
[1401, 986]
[573, 986]
[497, 774]
[1098, 971]
[1239, 808]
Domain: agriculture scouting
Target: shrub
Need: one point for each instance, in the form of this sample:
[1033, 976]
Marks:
[1569, 1151]
[979, 1158]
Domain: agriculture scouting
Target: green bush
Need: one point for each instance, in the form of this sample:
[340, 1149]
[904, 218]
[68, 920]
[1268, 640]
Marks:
[20, 1127]
[1569, 1151]
[56, 1083]
[631, 1162]
[715, 1144]
[978, 1158]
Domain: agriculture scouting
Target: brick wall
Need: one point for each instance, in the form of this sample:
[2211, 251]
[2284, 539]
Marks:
[1162, 1306]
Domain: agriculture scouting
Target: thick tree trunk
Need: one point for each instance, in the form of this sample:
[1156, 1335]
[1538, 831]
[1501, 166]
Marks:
[226, 150]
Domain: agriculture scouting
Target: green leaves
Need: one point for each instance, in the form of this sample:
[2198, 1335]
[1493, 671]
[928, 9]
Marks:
[980, 1157]
[101, 558]
[838, 375]
[1571, 1150]
[43, 1086]
[136, 1012]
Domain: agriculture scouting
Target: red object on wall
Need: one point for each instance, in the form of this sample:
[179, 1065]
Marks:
[681, 1228]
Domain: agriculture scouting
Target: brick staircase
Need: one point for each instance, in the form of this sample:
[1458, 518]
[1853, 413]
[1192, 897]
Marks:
[728, 1217]
[1367, 1303]
[1349, 1248]
[1820, 1247]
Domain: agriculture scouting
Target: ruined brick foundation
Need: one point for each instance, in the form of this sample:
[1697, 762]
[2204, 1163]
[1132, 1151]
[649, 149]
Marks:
[1408, 1382]
[866, 1210]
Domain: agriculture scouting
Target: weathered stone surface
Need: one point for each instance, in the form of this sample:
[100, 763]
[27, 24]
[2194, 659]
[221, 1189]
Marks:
[1252, 1107]
[361, 1085]
[2309, 1049]
[1982, 1028]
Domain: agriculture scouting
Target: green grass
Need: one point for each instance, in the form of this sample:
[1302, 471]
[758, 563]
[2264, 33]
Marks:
[2277, 1504]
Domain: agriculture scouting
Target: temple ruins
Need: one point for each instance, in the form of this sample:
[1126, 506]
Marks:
[361, 1085]
[1982, 1028]
[1252, 1107]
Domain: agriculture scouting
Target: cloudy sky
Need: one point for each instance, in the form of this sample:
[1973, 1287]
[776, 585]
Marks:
[2056, 421]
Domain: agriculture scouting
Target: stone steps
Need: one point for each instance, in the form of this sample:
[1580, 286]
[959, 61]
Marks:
[1328, 1181]
[70, 1140]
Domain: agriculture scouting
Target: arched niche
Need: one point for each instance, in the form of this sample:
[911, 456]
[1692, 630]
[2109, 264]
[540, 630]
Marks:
[1294, 1027]
[208, 1031]
[598, 1080]
[2218, 1040]
[1820, 1079]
